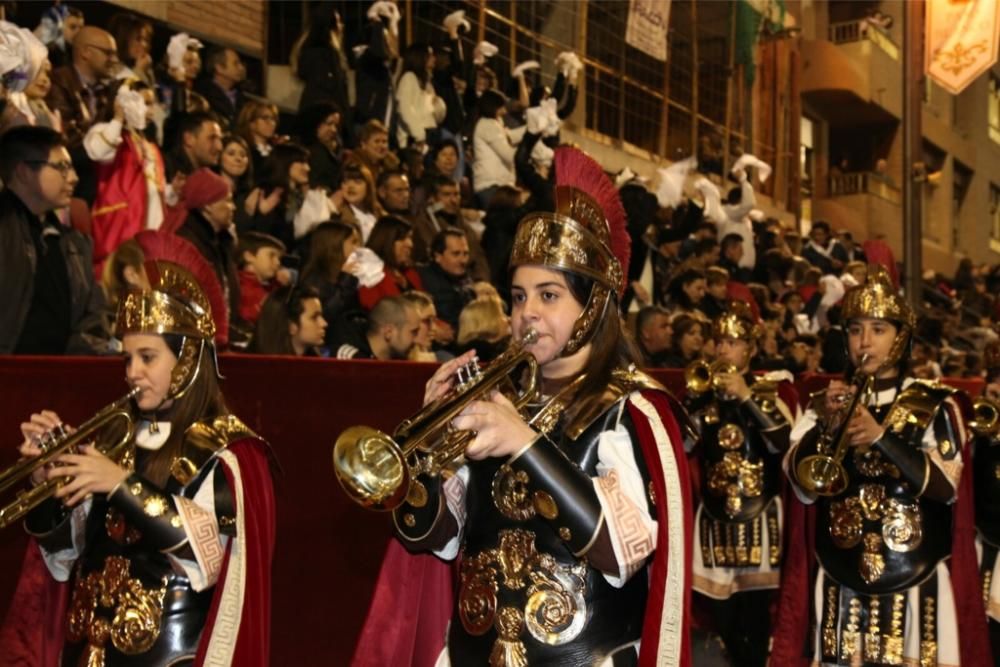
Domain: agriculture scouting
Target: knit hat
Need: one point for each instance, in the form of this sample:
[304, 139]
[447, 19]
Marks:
[204, 187]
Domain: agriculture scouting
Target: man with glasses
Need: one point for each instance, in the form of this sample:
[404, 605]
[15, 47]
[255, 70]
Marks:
[80, 97]
[49, 303]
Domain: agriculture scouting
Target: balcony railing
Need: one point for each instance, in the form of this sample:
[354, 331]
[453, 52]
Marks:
[864, 182]
[854, 31]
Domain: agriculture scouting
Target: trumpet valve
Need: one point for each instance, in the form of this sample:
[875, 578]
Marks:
[468, 373]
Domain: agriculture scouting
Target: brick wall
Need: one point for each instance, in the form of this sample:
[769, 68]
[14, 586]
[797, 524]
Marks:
[237, 23]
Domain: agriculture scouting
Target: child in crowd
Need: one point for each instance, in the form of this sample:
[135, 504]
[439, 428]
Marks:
[260, 272]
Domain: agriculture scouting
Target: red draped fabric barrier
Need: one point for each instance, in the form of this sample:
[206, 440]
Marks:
[328, 550]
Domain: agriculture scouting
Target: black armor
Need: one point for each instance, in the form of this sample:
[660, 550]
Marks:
[881, 535]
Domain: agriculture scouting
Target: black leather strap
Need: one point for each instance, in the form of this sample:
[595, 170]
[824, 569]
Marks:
[151, 511]
[567, 492]
[775, 431]
[912, 462]
[416, 525]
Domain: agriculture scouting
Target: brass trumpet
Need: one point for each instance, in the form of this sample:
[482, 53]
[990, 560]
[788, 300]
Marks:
[379, 472]
[54, 447]
[701, 376]
[986, 417]
[823, 473]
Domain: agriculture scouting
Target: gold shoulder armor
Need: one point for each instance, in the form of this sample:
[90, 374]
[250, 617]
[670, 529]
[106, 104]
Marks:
[623, 382]
[936, 387]
[765, 394]
[203, 439]
[916, 406]
[632, 379]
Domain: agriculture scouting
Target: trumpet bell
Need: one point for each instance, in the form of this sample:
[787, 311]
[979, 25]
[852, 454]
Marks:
[370, 468]
[821, 475]
[986, 417]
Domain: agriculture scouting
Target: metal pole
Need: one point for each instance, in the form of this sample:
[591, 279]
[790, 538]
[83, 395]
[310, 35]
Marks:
[913, 62]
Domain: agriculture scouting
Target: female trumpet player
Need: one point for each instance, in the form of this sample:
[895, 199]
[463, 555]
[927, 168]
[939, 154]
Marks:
[887, 573]
[743, 427]
[167, 551]
[573, 525]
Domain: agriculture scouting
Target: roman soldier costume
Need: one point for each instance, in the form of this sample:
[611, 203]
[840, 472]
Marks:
[738, 524]
[890, 583]
[986, 476]
[606, 474]
[176, 573]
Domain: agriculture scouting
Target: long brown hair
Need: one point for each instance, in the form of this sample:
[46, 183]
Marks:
[326, 252]
[202, 400]
[610, 346]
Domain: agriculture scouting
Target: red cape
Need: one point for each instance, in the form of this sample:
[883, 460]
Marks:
[33, 632]
[792, 640]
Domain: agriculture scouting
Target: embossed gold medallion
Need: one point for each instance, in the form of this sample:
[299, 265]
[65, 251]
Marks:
[511, 495]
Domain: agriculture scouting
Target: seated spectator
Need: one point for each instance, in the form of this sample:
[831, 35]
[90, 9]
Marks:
[49, 303]
[433, 332]
[730, 255]
[260, 265]
[392, 329]
[445, 212]
[687, 342]
[420, 110]
[393, 189]
[483, 326]
[716, 299]
[224, 72]
[209, 227]
[392, 241]
[373, 149]
[291, 322]
[803, 355]
[257, 123]
[130, 174]
[686, 290]
[329, 272]
[319, 131]
[284, 206]
[653, 333]
[356, 199]
[706, 253]
[823, 251]
[235, 167]
[446, 278]
[494, 147]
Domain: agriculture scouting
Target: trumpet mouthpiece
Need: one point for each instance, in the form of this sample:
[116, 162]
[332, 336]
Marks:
[530, 337]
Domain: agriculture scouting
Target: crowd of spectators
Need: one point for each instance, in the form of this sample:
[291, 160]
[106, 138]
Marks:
[375, 222]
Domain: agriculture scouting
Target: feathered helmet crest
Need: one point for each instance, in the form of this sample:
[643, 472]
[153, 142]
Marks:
[586, 235]
[184, 299]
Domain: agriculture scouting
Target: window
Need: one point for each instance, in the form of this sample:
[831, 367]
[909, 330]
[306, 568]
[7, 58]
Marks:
[993, 100]
[806, 155]
[994, 217]
[961, 181]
